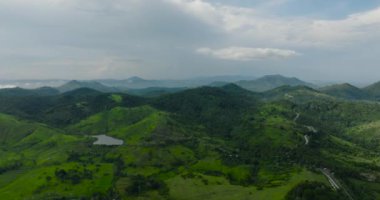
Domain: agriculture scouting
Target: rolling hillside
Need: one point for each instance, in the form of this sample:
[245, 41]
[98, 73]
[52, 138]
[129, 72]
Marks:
[63, 109]
[44, 91]
[346, 91]
[271, 82]
[74, 85]
[373, 89]
[208, 142]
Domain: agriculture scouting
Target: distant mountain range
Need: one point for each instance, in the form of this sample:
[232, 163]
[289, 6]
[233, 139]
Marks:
[73, 85]
[373, 89]
[270, 82]
[140, 83]
[151, 88]
[346, 91]
[130, 83]
[139, 86]
[43, 91]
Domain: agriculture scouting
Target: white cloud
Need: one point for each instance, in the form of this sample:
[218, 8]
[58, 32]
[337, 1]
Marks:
[256, 26]
[7, 86]
[200, 9]
[97, 38]
[247, 54]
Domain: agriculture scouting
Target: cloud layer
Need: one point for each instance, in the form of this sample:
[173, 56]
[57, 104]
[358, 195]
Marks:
[85, 39]
[250, 24]
[247, 54]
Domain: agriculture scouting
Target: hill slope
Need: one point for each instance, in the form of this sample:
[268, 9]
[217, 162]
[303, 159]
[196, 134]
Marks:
[373, 89]
[63, 109]
[345, 91]
[270, 82]
[214, 143]
[74, 85]
[44, 91]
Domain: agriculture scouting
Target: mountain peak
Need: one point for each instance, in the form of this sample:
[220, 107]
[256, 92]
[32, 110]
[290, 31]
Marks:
[273, 76]
[340, 86]
[135, 79]
[269, 82]
[74, 85]
[348, 85]
[345, 90]
[233, 87]
[373, 89]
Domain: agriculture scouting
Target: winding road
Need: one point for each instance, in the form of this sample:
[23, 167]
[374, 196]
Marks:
[335, 183]
[331, 178]
[326, 172]
[306, 139]
[310, 128]
[297, 116]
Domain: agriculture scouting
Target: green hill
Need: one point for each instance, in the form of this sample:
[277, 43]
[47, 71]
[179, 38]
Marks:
[345, 91]
[153, 91]
[121, 122]
[19, 92]
[373, 89]
[74, 85]
[270, 82]
[218, 109]
[208, 142]
[295, 94]
[13, 130]
[33, 156]
[63, 109]
[157, 144]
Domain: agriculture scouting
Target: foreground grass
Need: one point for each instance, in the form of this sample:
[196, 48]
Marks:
[218, 188]
[42, 183]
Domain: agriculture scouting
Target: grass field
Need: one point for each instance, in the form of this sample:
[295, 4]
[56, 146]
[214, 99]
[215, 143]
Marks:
[218, 188]
[27, 184]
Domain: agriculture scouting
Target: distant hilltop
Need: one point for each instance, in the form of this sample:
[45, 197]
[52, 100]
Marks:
[138, 86]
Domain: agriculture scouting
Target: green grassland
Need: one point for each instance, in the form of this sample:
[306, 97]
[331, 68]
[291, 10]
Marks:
[27, 161]
[35, 183]
[211, 187]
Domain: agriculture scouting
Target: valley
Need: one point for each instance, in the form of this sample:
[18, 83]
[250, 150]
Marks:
[208, 142]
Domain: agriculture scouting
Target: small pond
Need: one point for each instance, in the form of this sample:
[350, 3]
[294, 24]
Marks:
[107, 140]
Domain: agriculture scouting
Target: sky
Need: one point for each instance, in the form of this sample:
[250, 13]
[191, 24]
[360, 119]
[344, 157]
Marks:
[177, 39]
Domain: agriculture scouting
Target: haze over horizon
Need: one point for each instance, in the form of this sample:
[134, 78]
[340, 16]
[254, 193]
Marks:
[180, 39]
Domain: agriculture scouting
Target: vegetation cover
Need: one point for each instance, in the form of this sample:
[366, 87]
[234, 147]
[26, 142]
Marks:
[292, 142]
